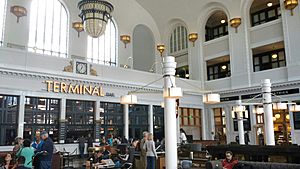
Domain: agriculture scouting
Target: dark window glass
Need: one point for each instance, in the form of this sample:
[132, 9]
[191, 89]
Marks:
[266, 15]
[41, 114]
[112, 119]
[138, 120]
[296, 120]
[217, 71]
[183, 72]
[9, 108]
[269, 60]
[246, 120]
[79, 119]
[215, 32]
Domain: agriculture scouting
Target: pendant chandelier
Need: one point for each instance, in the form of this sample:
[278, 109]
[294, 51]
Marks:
[94, 15]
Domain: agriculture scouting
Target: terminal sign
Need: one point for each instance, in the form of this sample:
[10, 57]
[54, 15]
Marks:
[62, 87]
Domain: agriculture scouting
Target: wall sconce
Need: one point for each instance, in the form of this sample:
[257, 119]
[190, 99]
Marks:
[193, 37]
[18, 11]
[125, 39]
[290, 5]
[128, 99]
[78, 26]
[160, 48]
[211, 98]
[235, 23]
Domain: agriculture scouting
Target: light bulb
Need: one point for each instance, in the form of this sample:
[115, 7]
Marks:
[223, 21]
[269, 4]
[274, 56]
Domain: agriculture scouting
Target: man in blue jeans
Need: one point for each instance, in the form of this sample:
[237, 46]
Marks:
[46, 150]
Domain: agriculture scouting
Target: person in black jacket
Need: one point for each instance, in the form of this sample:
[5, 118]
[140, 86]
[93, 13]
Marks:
[46, 151]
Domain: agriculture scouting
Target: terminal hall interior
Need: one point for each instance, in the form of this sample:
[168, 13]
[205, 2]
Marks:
[223, 73]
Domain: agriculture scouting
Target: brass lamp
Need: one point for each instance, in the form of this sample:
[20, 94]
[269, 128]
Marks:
[18, 11]
[160, 48]
[235, 23]
[125, 39]
[193, 37]
[78, 26]
[290, 5]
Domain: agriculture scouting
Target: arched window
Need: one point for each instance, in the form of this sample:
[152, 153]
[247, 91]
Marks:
[2, 19]
[178, 39]
[48, 29]
[103, 50]
[216, 26]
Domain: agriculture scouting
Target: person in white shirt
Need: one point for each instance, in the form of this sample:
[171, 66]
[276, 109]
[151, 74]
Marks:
[151, 154]
[183, 139]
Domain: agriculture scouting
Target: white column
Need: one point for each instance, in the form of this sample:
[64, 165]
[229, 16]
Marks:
[97, 120]
[241, 128]
[169, 66]
[204, 124]
[62, 119]
[268, 115]
[150, 118]
[126, 120]
[178, 125]
[21, 116]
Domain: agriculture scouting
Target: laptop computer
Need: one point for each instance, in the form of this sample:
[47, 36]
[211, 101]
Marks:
[108, 163]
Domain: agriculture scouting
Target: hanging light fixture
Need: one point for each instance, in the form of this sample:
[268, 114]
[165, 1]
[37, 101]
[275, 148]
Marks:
[95, 15]
[295, 108]
[211, 98]
[235, 23]
[128, 99]
[290, 5]
[125, 39]
[279, 106]
[173, 92]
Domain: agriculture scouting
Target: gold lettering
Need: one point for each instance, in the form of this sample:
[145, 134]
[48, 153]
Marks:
[49, 85]
[87, 89]
[56, 87]
[101, 92]
[63, 87]
[74, 90]
[81, 88]
[95, 91]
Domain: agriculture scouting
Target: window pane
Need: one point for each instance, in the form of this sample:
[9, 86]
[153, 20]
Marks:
[102, 50]
[256, 60]
[274, 65]
[48, 28]
[2, 19]
[281, 55]
[255, 18]
[262, 16]
[265, 59]
[271, 13]
[282, 64]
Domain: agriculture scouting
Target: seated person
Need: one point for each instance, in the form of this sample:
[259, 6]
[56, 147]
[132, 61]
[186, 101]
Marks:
[105, 153]
[8, 161]
[20, 163]
[96, 158]
[229, 162]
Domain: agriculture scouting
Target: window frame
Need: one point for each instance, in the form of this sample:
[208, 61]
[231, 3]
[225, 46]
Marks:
[34, 47]
[217, 71]
[178, 44]
[268, 65]
[266, 14]
[102, 59]
[209, 31]
[3, 23]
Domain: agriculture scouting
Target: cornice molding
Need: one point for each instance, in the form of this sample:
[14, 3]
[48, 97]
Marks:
[91, 81]
[256, 89]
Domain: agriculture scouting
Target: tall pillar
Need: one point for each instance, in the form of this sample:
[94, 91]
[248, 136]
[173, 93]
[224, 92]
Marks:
[126, 120]
[150, 118]
[268, 115]
[169, 66]
[62, 120]
[21, 116]
[241, 128]
[98, 121]
[204, 124]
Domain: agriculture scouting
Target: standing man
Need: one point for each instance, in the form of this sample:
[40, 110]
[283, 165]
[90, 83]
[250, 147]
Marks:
[143, 151]
[46, 150]
[81, 141]
[247, 139]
